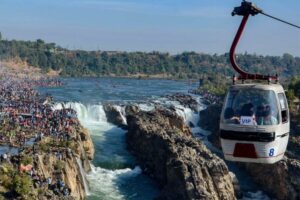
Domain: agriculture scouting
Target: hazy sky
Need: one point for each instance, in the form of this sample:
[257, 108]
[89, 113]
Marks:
[144, 25]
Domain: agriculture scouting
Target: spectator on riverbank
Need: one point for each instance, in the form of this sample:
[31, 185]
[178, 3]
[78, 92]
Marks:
[29, 124]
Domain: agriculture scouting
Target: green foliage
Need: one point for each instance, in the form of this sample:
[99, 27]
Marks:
[11, 180]
[49, 56]
[214, 84]
[294, 87]
[214, 89]
[44, 146]
[290, 94]
[22, 184]
[293, 93]
[59, 165]
[7, 171]
[5, 180]
[65, 143]
[26, 160]
[40, 191]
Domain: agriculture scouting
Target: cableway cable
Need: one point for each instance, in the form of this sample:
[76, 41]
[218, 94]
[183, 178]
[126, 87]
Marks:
[283, 21]
[248, 8]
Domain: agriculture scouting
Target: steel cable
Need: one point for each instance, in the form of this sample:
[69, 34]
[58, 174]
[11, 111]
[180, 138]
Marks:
[283, 21]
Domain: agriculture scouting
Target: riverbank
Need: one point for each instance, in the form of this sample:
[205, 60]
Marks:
[44, 151]
[138, 77]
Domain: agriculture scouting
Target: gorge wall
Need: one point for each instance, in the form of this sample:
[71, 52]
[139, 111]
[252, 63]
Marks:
[181, 164]
[65, 164]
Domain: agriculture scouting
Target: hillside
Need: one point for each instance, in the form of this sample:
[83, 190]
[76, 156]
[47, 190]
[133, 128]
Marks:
[49, 56]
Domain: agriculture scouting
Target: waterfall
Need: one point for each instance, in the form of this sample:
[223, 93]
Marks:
[94, 113]
[189, 116]
[121, 110]
[83, 176]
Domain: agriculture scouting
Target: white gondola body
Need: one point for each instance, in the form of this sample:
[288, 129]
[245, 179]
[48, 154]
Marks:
[256, 143]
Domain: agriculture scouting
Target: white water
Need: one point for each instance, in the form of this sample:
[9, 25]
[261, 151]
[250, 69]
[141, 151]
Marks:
[193, 117]
[146, 107]
[83, 176]
[106, 182]
[189, 116]
[256, 195]
[89, 113]
[121, 110]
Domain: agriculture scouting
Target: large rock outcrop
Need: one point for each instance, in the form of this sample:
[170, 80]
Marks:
[114, 115]
[210, 120]
[280, 180]
[66, 164]
[182, 165]
[294, 147]
[85, 147]
[48, 166]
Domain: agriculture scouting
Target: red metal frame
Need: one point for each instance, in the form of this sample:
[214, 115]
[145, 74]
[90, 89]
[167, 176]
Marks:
[243, 74]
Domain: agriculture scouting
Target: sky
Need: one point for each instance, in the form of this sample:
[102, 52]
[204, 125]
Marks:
[174, 26]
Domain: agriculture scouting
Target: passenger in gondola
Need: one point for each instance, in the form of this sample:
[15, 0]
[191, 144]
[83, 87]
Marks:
[265, 116]
[247, 115]
[260, 111]
[230, 118]
[247, 109]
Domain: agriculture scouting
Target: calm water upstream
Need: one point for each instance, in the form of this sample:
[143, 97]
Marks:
[115, 174]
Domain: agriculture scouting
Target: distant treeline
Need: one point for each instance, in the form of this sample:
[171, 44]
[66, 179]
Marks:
[49, 56]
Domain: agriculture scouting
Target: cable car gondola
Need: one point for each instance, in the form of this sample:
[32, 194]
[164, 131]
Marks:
[254, 123]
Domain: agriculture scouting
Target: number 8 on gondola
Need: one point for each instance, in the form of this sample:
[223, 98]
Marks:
[271, 152]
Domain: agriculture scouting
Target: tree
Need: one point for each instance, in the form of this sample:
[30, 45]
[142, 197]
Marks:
[10, 134]
[22, 184]
[95, 63]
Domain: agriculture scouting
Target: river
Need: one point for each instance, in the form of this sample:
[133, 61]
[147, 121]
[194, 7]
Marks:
[115, 174]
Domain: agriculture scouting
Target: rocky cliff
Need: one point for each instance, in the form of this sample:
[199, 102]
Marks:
[210, 120]
[182, 165]
[114, 115]
[65, 164]
[280, 180]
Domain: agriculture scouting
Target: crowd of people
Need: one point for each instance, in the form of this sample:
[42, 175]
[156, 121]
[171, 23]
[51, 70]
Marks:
[26, 115]
[58, 186]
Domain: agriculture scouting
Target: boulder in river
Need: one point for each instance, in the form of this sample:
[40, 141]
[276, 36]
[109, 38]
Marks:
[114, 115]
[181, 164]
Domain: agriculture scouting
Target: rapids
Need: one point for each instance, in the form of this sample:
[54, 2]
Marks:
[115, 174]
